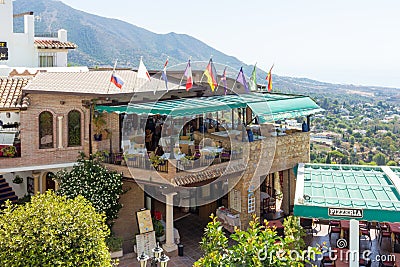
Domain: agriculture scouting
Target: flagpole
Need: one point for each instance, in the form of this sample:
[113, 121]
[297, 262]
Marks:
[109, 84]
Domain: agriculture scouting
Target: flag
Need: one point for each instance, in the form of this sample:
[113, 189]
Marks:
[211, 75]
[189, 76]
[269, 79]
[241, 79]
[164, 74]
[115, 79]
[142, 71]
[253, 80]
[223, 79]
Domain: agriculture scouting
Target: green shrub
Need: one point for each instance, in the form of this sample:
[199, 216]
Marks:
[52, 230]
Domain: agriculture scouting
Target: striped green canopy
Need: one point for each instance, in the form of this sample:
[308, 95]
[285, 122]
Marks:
[269, 107]
[346, 189]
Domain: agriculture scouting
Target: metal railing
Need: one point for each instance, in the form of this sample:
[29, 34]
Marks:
[137, 161]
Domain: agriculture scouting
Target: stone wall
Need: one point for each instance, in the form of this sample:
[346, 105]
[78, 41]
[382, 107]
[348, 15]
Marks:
[126, 225]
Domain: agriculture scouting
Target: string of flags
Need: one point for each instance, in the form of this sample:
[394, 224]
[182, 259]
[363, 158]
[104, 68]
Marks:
[210, 73]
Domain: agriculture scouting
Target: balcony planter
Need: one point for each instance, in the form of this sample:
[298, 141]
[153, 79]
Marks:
[115, 246]
[9, 151]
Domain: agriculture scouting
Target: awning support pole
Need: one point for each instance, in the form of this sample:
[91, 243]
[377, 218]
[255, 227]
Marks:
[354, 246]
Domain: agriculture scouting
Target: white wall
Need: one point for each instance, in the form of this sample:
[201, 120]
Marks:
[19, 189]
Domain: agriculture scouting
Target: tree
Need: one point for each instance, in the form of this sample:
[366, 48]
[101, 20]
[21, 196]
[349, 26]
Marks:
[380, 159]
[52, 230]
[257, 246]
[90, 179]
[391, 163]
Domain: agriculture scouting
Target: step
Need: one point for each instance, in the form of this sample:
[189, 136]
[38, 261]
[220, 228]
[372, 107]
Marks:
[5, 189]
[11, 198]
[7, 194]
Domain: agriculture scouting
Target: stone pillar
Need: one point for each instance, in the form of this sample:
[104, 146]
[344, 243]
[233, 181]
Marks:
[60, 132]
[286, 192]
[169, 245]
[56, 185]
[36, 183]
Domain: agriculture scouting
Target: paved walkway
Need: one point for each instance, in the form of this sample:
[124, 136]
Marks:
[191, 229]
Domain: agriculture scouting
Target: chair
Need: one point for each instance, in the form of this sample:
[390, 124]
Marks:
[384, 234]
[334, 228]
[307, 225]
[225, 156]
[365, 231]
[385, 263]
[271, 204]
[327, 262]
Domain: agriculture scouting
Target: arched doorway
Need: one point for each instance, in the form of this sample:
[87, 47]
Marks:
[50, 183]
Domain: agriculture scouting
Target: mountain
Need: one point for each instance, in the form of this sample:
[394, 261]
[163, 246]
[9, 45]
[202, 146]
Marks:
[101, 40]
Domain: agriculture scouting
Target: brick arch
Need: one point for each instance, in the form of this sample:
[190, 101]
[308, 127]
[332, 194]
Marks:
[82, 126]
[53, 129]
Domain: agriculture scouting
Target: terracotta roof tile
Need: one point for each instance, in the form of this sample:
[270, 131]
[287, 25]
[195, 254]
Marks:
[54, 44]
[95, 82]
[11, 92]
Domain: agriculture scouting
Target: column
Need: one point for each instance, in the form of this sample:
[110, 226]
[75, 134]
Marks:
[169, 245]
[36, 177]
[60, 132]
[354, 243]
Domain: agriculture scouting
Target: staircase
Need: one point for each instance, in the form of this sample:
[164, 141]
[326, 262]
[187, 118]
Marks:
[6, 191]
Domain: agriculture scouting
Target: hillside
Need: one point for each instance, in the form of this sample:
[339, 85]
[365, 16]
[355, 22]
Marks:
[102, 40]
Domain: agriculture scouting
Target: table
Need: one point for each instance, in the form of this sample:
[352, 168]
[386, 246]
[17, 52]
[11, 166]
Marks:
[212, 149]
[342, 259]
[177, 156]
[277, 223]
[396, 258]
[229, 220]
[395, 230]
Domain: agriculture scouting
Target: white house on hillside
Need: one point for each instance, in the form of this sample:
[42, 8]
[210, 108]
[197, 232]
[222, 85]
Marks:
[26, 50]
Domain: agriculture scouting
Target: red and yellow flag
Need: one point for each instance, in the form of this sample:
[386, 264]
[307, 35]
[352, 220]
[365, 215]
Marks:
[269, 79]
[211, 75]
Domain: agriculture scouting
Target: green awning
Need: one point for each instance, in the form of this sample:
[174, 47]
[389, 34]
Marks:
[344, 191]
[269, 107]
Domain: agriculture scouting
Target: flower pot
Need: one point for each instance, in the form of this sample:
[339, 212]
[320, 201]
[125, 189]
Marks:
[161, 238]
[97, 137]
[116, 254]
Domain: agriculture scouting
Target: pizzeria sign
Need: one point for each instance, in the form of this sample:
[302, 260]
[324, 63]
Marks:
[344, 212]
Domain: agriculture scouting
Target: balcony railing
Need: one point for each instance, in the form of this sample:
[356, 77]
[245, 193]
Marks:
[138, 161]
[47, 34]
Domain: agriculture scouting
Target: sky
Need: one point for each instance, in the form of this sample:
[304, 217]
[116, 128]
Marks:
[342, 41]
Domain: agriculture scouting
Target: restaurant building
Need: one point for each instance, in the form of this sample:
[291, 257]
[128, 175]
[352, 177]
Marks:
[223, 154]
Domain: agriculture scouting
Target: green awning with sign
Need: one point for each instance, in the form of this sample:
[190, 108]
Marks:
[346, 192]
[268, 107]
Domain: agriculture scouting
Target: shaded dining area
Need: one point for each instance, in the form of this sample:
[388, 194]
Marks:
[201, 131]
[358, 207]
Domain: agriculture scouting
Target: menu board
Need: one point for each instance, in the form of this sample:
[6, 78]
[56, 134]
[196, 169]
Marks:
[235, 200]
[144, 221]
[145, 243]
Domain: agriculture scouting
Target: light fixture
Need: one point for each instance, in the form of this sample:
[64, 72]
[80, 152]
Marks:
[164, 260]
[143, 259]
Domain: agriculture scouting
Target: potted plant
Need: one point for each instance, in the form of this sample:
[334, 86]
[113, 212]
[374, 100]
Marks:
[159, 230]
[114, 244]
[18, 179]
[9, 151]
[98, 122]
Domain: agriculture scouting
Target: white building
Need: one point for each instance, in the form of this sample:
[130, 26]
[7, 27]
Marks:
[26, 50]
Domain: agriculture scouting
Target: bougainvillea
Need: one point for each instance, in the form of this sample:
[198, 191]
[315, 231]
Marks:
[92, 180]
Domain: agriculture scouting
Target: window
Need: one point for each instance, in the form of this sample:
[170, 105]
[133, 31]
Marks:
[47, 59]
[74, 128]
[46, 130]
